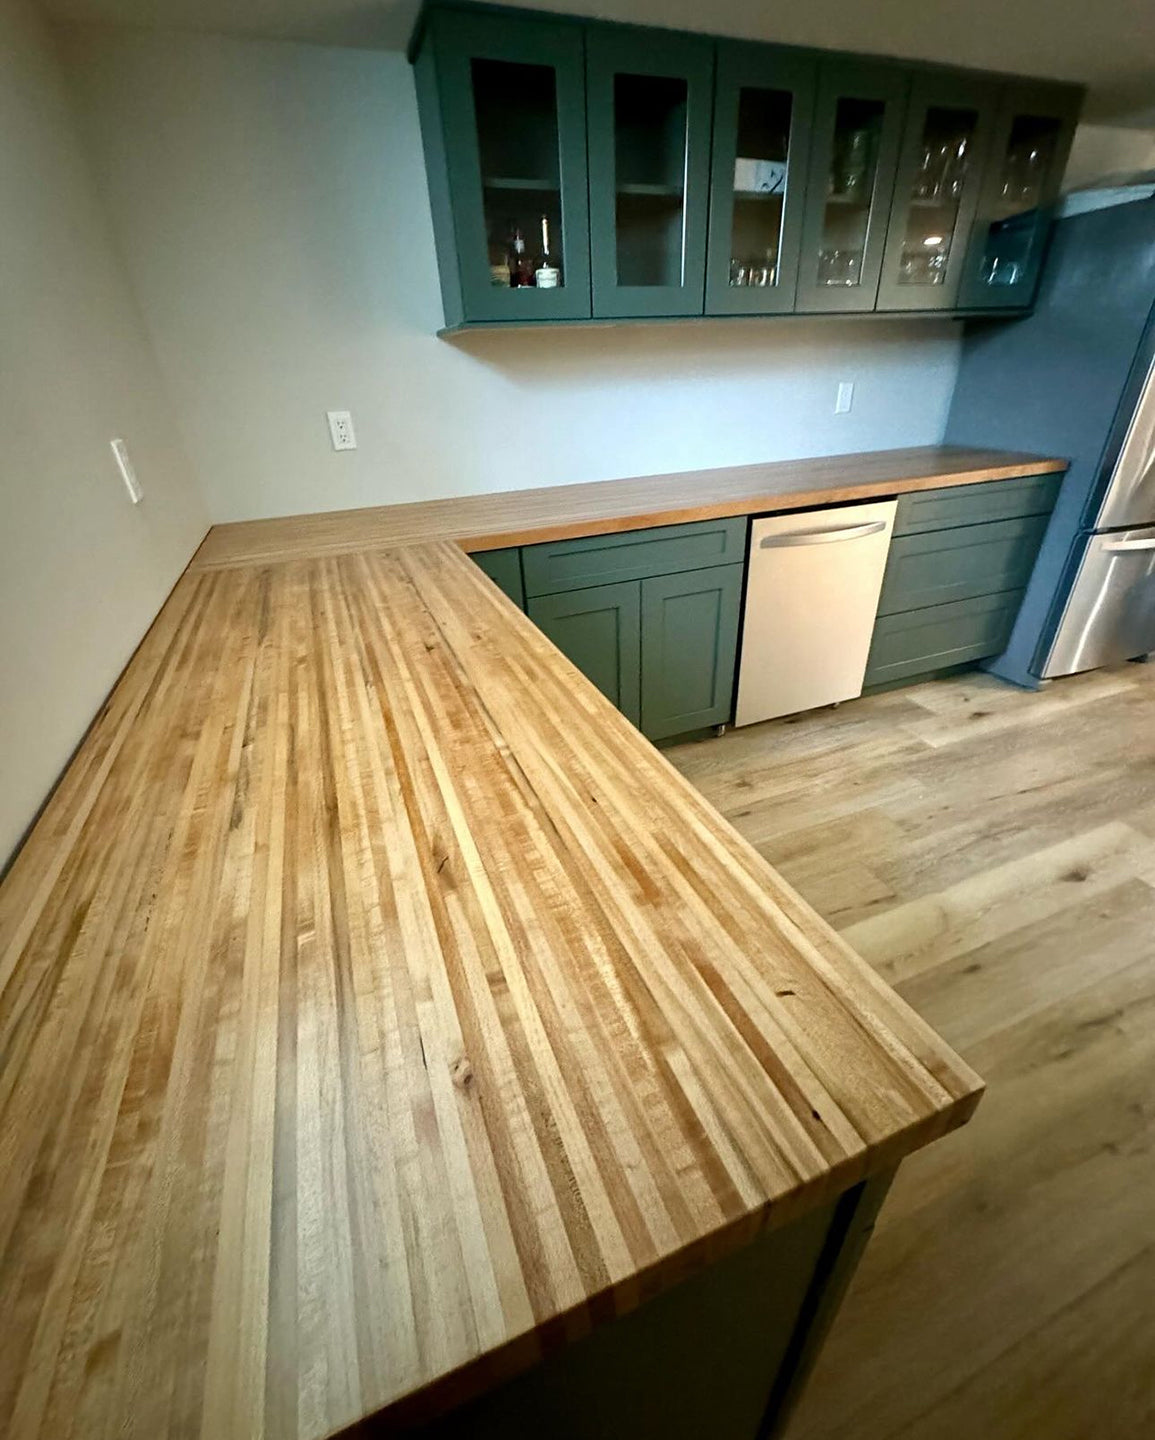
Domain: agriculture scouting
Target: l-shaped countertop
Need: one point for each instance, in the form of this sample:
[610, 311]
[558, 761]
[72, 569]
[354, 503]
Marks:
[377, 1006]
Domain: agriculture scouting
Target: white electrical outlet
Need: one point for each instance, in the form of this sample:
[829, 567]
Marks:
[341, 430]
[845, 397]
[127, 473]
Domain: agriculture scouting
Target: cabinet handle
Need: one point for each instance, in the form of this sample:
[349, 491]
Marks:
[823, 537]
[1130, 545]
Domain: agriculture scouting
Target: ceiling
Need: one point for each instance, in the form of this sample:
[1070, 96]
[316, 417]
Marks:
[1109, 45]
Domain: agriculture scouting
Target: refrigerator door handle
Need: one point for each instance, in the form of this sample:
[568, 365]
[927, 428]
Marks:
[1115, 545]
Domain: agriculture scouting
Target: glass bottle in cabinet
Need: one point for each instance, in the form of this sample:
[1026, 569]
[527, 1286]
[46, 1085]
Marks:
[854, 154]
[940, 175]
[1032, 141]
[649, 121]
[763, 101]
[504, 97]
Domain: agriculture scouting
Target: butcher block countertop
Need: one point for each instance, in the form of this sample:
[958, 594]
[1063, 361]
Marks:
[378, 1008]
[562, 512]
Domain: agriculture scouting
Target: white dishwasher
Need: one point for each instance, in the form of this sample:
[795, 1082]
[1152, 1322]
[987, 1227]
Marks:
[811, 600]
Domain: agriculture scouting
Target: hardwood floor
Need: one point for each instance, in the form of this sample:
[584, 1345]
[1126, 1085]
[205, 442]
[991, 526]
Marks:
[992, 853]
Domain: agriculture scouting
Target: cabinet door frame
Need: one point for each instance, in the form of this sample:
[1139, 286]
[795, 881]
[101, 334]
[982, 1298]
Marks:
[1048, 101]
[851, 80]
[625, 597]
[460, 39]
[747, 66]
[932, 91]
[658, 676]
[626, 50]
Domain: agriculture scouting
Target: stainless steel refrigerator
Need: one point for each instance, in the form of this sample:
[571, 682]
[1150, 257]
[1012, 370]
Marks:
[1077, 379]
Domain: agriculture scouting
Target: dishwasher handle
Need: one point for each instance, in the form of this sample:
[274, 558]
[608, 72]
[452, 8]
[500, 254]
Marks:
[1115, 545]
[824, 537]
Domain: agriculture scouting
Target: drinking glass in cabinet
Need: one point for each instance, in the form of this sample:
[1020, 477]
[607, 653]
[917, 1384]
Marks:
[517, 133]
[650, 139]
[839, 267]
[932, 215]
[1016, 226]
[850, 190]
[760, 179]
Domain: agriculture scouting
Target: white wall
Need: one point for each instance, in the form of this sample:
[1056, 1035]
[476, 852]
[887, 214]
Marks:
[271, 202]
[82, 573]
[1101, 150]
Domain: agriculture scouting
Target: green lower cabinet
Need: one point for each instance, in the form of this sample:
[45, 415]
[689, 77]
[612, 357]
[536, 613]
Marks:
[504, 568]
[918, 643]
[941, 566]
[599, 629]
[689, 645]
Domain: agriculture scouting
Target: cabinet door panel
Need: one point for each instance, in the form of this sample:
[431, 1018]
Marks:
[600, 631]
[853, 161]
[512, 94]
[689, 643]
[648, 103]
[1028, 156]
[940, 176]
[763, 100]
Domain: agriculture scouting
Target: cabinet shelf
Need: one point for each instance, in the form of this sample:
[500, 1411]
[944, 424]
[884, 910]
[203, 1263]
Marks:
[511, 182]
[655, 192]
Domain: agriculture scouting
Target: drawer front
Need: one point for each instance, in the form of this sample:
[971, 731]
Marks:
[919, 641]
[946, 565]
[504, 568]
[563, 565]
[976, 504]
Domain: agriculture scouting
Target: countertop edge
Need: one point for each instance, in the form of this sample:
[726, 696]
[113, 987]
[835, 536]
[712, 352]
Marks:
[641, 506]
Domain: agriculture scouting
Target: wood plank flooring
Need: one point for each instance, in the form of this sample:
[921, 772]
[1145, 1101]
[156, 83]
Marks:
[992, 853]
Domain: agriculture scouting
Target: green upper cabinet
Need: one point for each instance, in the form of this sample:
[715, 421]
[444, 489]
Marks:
[763, 101]
[1033, 134]
[648, 106]
[940, 177]
[638, 173]
[858, 123]
[503, 117]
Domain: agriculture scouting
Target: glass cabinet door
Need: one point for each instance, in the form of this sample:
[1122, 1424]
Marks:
[648, 101]
[1032, 140]
[513, 100]
[854, 155]
[940, 176]
[763, 101]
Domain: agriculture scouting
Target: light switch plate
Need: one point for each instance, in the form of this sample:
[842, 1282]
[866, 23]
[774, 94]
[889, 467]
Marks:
[127, 473]
[341, 430]
[845, 397]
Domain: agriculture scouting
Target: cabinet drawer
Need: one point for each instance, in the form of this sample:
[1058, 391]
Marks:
[633, 555]
[919, 641]
[975, 504]
[946, 565]
[504, 568]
